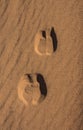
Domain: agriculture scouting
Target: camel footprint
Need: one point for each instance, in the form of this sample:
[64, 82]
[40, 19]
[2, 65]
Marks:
[32, 89]
[45, 42]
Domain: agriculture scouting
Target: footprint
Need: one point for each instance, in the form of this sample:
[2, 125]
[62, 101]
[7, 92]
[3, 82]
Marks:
[38, 39]
[23, 83]
[44, 42]
[30, 89]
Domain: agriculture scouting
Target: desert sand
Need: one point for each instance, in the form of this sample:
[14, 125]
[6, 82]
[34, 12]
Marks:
[20, 21]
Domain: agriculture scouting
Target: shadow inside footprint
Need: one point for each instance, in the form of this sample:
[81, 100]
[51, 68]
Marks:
[54, 38]
[44, 34]
[43, 87]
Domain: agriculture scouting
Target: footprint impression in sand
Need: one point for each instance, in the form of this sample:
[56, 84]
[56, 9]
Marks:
[45, 42]
[32, 89]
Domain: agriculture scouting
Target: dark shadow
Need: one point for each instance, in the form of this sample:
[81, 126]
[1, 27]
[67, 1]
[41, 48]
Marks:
[54, 38]
[43, 87]
[44, 34]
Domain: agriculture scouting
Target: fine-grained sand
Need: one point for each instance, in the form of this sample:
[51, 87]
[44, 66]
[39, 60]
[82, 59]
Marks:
[20, 20]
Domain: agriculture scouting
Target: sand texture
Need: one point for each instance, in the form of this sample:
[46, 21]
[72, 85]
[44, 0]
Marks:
[20, 21]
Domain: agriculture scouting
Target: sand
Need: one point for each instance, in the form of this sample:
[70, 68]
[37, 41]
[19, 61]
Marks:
[20, 20]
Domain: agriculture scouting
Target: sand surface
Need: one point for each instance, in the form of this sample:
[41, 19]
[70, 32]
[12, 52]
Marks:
[20, 20]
